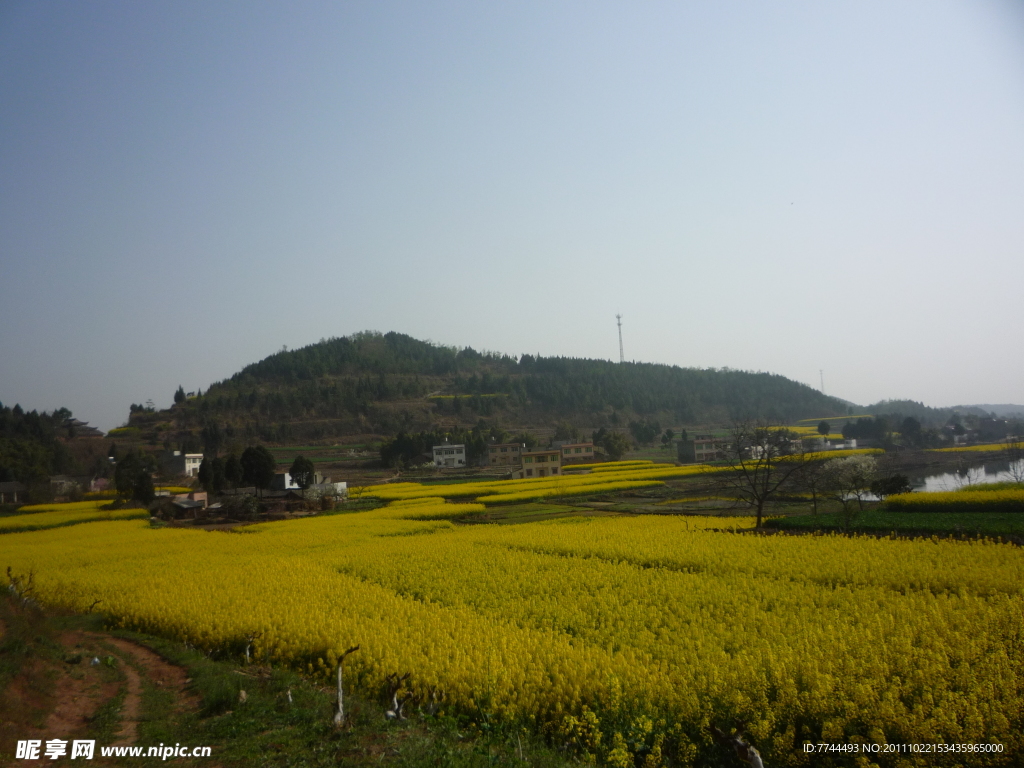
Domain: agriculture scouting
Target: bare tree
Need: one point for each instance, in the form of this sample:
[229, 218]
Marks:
[21, 588]
[1014, 454]
[966, 474]
[813, 479]
[745, 751]
[250, 640]
[339, 714]
[765, 458]
[397, 695]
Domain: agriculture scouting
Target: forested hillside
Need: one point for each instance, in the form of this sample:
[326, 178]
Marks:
[30, 448]
[373, 383]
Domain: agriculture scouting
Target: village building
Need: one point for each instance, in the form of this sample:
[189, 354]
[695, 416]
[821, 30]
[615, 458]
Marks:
[818, 443]
[704, 448]
[321, 486]
[449, 455]
[505, 454]
[178, 463]
[283, 482]
[573, 452]
[193, 498]
[12, 493]
[539, 463]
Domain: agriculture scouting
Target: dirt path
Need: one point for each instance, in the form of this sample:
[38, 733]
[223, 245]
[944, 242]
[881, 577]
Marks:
[158, 671]
[131, 709]
[59, 697]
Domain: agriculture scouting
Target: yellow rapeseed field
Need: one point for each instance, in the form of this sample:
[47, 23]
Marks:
[836, 419]
[70, 506]
[985, 448]
[623, 637]
[61, 517]
[824, 455]
[619, 476]
[964, 500]
[605, 466]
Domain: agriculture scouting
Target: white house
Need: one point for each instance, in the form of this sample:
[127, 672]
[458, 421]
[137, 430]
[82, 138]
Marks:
[448, 455]
[178, 463]
[283, 482]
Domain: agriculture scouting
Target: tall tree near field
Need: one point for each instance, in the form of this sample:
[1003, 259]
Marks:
[205, 474]
[233, 471]
[814, 480]
[644, 431]
[615, 445]
[303, 472]
[212, 439]
[824, 428]
[179, 395]
[217, 475]
[910, 431]
[766, 458]
[566, 430]
[143, 490]
[125, 474]
[211, 474]
[258, 467]
[132, 477]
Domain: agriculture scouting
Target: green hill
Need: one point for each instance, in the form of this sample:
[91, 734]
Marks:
[380, 384]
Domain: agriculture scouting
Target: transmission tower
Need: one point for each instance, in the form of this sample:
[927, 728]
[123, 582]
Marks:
[622, 357]
[822, 374]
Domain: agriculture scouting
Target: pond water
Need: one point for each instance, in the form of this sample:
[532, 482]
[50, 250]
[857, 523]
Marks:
[989, 472]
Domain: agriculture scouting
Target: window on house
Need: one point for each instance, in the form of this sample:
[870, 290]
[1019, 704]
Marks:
[529, 473]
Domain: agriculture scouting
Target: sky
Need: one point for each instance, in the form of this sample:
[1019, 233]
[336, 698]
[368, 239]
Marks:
[793, 187]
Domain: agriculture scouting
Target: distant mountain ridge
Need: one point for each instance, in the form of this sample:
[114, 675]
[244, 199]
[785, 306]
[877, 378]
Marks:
[938, 416]
[1003, 411]
[372, 383]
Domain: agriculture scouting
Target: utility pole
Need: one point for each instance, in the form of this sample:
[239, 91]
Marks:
[821, 373]
[622, 357]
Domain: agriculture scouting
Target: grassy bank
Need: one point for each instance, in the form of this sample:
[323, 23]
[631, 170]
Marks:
[280, 720]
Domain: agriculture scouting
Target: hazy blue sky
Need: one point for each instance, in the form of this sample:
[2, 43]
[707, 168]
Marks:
[186, 187]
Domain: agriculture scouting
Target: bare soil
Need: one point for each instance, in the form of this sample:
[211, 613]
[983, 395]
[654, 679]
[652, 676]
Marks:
[65, 683]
